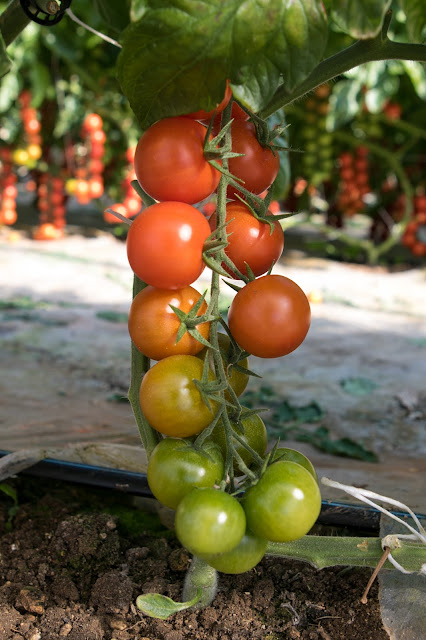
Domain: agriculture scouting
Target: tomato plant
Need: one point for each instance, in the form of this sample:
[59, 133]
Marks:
[209, 521]
[170, 162]
[165, 244]
[258, 167]
[153, 325]
[250, 240]
[284, 504]
[170, 399]
[270, 316]
[175, 467]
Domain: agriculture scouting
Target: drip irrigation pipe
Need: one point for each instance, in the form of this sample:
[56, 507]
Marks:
[333, 513]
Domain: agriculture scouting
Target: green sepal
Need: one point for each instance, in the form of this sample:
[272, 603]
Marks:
[146, 199]
[214, 265]
[233, 286]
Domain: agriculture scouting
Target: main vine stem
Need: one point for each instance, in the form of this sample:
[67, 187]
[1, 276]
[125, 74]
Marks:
[370, 50]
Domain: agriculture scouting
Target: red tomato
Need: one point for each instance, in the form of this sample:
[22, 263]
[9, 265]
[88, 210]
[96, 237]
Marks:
[153, 325]
[92, 122]
[258, 167]
[170, 163]
[165, 244]
[270, 316]
[250, 240]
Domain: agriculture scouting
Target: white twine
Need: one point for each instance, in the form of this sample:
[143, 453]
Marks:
[391, 541]
[89, 28]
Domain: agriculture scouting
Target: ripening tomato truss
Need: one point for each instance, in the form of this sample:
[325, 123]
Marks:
[190, 396]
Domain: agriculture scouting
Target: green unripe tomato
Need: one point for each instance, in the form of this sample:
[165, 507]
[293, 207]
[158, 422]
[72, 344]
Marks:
[246, 555]
[175, 467]
[255, 435]
[284, 504]
[284, 453]
[209, 521]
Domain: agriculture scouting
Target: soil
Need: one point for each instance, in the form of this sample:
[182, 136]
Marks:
[73, 561]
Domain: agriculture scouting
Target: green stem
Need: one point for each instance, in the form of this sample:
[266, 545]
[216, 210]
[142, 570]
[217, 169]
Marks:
[200, 576]
[12, 22]
[139, 366]
[324, 551]
[379, 48]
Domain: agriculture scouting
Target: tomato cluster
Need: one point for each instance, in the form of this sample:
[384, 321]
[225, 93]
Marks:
[132, 203]
[414, 237]
[190, 395]
[88, 182]
[317, 143]
[30, 151]
[354, 181]
[51, 205]
[8, 190]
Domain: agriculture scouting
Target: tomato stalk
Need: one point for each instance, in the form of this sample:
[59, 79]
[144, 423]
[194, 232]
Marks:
[138, 367]
[325, 551]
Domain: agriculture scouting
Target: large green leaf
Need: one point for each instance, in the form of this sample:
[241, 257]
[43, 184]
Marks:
[360, 18]
[4, 58]
[114, 14]
[177, 57]
[415, 10]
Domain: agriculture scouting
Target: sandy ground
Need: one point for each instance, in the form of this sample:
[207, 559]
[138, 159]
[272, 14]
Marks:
[363, 362]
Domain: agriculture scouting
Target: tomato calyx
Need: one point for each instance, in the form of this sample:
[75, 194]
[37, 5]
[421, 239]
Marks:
[210, 389]
[146, 199]
[190, 320]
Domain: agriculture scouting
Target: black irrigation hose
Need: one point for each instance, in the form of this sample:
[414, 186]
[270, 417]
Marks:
[335, 514]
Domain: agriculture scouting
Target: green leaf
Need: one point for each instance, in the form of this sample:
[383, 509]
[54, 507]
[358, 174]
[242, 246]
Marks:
[345, 447]
[360, 18]
[41, 83]
[282, 181]
[415, 10]
[5, 62]
[358, 386]
[114, 14]
[345, 102]
[177, 56]
[157, 606]
[9, 491]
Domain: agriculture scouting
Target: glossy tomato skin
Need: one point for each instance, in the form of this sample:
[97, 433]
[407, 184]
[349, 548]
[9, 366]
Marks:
[292, 455]
[258, 167]
[250, 240]
[175, 467]
[209, 521]
[153, 325]
[255, 435]
[246, 555]
[270, 316]
[284, 504]
[170, 400]
[170, 163]
[238, 380]
[165, 244]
